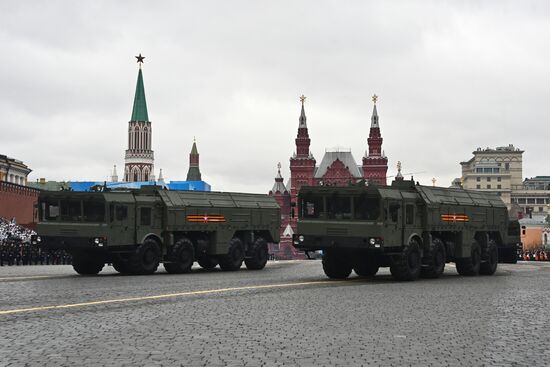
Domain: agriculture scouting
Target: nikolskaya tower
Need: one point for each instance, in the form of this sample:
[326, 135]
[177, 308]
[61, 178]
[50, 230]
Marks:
[139, 158]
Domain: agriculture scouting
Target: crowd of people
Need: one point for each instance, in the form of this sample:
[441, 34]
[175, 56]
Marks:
[16, 248]
[535, 255]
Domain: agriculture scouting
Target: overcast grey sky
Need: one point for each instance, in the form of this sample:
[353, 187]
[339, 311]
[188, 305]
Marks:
[451, 75]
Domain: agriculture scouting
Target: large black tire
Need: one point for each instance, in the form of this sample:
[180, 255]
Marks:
[121, 266]
[258, 255]
[489, 262]
[434, 262]
[87, 265]
[145, 259]
[234, 258]
[469, 266]
[336, 264]
[366, 266]
[207, 262]
[181, 257]
[407, 266]
[508, 255]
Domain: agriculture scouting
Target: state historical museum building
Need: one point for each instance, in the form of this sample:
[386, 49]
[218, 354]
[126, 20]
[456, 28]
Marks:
[337, 168]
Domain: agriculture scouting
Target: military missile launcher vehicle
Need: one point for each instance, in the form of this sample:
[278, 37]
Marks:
[415, 230]
[136, 230]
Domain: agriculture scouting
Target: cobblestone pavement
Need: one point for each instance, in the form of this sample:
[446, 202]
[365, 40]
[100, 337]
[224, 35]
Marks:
[222, 319]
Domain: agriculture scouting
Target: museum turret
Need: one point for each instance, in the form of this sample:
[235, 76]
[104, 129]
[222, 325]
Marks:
[375, 162]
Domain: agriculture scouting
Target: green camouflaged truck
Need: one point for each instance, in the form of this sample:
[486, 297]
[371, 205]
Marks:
[138, 229]
[412, 229]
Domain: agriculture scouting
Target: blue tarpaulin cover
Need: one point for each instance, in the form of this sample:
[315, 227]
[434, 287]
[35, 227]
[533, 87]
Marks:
[172, 185]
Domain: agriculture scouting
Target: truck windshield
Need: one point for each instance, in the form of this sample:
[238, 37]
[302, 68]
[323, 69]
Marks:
[71, 210]
[312, 206]
[339, 207]
[49, 210]
[366, 208]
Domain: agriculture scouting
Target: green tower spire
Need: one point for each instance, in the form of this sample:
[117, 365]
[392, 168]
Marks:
[194, 149]
[194, 173]
[139, 112]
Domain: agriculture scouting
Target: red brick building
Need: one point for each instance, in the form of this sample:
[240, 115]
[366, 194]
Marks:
[337, 168]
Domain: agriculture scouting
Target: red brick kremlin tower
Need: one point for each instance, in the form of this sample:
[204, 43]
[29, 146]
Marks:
[375, 163]
[194, 173]
[139, 158]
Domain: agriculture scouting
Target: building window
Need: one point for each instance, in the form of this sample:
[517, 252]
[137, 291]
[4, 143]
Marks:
[499, 186]
[499, 179]
[541, 209]
[531, 201]
[478, 186]
[488, 179]
[478, 179]
[521, 201]
[540, 201]
[507, 166]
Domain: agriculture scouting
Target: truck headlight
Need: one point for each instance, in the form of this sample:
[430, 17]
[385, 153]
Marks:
[372, 241]
[97, 241]
[301, 238]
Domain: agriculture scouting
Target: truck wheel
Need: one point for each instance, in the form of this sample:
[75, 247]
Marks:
[489, 265]
[145, 259]
[407, 266]
[207, 262]
[336, 265]
[258, 255]
[235, 256]
[86, 265]
[182, 257]
[366, 266]
[469, 266]
[121, 266]
[509, 255]
[435, 261]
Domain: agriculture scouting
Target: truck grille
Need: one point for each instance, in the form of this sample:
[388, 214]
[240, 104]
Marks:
[337, 231]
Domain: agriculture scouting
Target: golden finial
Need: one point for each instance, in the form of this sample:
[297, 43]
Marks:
[302, 99]
[433, 181]
[374, 98]
[399, 166]
[279, 166]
